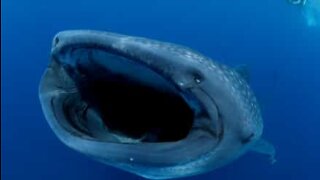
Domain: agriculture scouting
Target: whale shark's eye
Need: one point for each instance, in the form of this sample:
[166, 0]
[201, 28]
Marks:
[197, 77]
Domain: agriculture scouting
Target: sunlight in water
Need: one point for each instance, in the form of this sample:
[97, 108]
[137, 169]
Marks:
[310, 10]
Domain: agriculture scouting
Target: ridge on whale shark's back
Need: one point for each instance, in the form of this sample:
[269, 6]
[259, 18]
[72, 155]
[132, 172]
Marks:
[152, 108]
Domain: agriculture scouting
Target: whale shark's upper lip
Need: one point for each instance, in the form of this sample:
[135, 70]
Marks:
[137, 50]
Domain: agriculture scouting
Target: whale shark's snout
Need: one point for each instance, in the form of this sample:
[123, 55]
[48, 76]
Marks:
[152, 108]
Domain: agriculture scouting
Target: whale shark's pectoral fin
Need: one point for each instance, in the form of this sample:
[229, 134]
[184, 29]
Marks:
[264, 147]
[243, 71]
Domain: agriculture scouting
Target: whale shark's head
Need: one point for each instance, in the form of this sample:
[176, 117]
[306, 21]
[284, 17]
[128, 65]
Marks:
[152, 108]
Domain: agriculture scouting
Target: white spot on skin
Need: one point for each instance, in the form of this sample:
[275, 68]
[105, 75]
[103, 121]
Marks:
[212, 67]
[226, 79]
[188, 53]
[197, 80]
[233, 89]
[241, 82]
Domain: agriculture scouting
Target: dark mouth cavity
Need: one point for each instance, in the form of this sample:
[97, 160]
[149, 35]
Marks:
[132, 100]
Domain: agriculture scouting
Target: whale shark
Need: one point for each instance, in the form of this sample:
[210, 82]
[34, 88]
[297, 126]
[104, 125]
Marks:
[155, 109]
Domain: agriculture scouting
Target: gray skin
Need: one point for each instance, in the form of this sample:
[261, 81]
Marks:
[226, 120]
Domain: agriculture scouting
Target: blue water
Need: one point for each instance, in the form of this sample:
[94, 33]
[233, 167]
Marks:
[271, 37]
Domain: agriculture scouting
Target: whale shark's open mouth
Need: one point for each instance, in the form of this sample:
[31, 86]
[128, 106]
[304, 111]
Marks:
[117, 99]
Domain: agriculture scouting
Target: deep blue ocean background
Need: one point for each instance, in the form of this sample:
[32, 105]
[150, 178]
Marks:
[271, 37]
